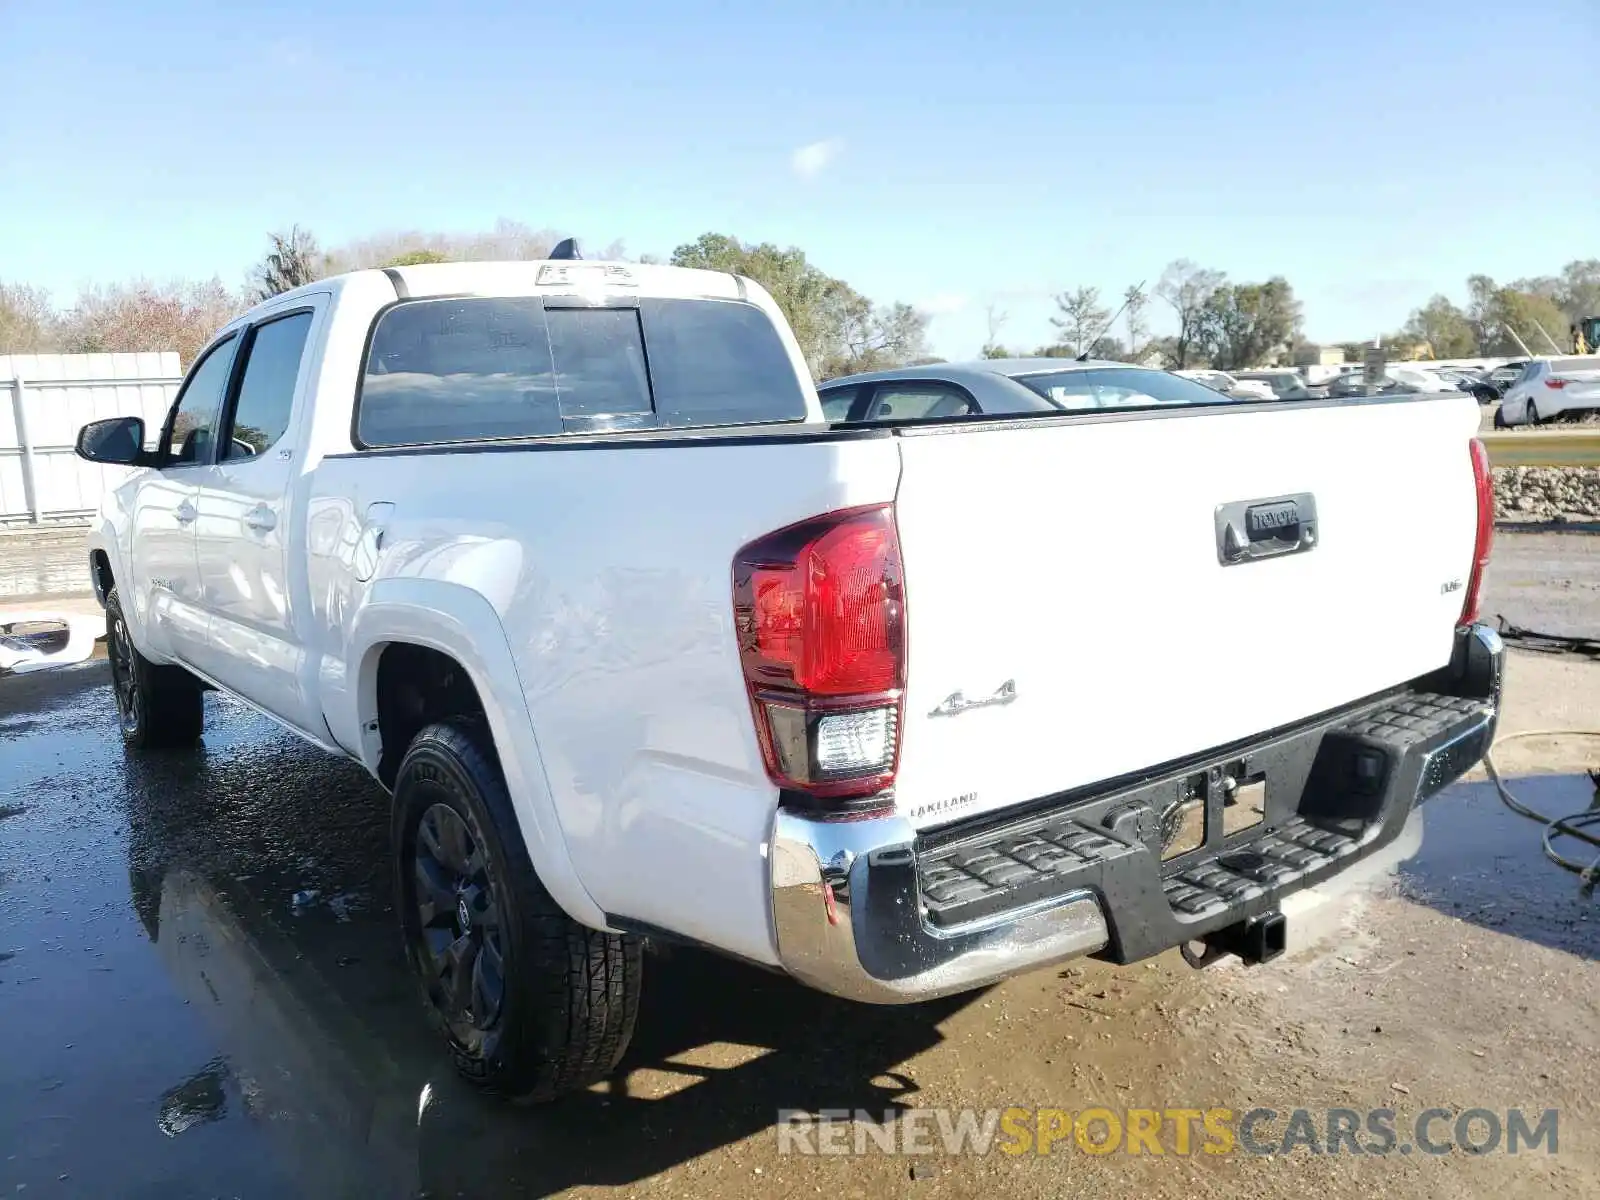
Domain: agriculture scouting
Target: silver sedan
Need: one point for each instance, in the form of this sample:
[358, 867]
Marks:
[1005, 385]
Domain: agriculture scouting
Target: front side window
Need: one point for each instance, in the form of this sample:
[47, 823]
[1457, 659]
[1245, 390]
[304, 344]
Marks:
[197, 412]
[266, 392]
[482, 368]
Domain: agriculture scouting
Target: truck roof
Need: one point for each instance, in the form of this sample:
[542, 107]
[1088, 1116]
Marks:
[534, 277]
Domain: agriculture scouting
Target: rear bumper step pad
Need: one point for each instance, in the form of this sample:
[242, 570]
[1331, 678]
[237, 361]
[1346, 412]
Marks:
[1320, 815]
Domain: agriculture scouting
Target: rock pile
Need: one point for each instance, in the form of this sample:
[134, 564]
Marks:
[1547, 493]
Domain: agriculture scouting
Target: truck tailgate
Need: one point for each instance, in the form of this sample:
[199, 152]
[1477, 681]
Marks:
[1070, 618]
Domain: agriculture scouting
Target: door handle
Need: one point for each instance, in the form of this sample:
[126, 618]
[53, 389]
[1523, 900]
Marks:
[262, 519]
[186, 513]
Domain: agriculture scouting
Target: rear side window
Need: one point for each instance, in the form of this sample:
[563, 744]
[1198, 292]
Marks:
[1121, 387]
[510, 367]
[266, 392]
[918, 402]
[837, 402]
[719, 362]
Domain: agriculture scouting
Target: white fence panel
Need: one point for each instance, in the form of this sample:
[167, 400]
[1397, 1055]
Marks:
[45, 399]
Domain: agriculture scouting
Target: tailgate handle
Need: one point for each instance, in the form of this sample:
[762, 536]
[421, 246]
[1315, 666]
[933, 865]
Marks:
[1250, 530]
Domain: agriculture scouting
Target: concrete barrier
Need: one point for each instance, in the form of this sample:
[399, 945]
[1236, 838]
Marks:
[1543, 449]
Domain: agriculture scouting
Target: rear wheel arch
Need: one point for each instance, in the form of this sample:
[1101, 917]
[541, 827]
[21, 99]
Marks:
[415, 686]
[412, 624]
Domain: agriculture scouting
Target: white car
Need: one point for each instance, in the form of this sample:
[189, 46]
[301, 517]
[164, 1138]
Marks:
[1552, 389]
[1222, 382]
[1418, 379]
[568, 557]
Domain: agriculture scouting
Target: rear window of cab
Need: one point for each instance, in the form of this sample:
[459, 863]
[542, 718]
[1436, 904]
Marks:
[478, 368]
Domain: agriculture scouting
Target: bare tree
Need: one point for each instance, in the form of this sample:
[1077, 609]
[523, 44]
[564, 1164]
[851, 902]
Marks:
[996, 318]
[293, 261]
[144, 316]
[1134, 303]
[27, 323]
[1082, 318]
[508, 240]
[1188, 288]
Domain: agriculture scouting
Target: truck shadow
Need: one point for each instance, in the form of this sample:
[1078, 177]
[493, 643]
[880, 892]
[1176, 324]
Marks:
[263, 881]
[1482, 863]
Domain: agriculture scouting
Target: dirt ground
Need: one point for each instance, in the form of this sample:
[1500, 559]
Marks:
[202, 994]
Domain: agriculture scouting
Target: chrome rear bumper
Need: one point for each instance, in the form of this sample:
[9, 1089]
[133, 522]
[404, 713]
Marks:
[848, 895]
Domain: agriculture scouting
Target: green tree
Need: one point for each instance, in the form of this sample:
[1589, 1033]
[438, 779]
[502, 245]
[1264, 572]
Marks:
[1444, 327]
[1576, 291]
[839, 329]
[1188, 288]
[417, 258]
[1250, 324]
[1507, 319]
[1081, 318]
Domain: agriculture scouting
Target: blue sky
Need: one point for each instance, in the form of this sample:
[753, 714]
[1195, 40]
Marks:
[960, 155]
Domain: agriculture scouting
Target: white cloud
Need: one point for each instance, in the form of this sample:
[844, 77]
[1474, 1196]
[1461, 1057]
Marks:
[809, 160]
[944, 304]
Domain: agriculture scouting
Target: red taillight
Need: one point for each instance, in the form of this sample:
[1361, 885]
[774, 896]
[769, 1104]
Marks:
[1553, 382]
[1483, 483]
[819, 608]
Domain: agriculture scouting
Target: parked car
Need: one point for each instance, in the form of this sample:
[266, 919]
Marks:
[1551, 389]
[1458, 378]
[567, 555]
[1285, 385]
[1418, 379]
[1354, 383]
[1492, 384]
[1221, 381]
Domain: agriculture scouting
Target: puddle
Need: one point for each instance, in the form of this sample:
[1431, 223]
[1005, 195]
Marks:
[1483, 863]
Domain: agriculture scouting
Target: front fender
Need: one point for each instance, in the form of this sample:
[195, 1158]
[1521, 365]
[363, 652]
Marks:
[460, 622]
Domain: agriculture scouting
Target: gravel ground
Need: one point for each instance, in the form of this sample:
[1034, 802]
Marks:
[1547, 493]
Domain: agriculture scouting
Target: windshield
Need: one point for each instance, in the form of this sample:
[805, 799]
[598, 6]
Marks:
[1121, 387]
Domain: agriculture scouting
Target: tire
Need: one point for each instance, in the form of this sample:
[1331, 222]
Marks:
[158, 707]
[1532, 413]
[1500, 420]
[562, 1002]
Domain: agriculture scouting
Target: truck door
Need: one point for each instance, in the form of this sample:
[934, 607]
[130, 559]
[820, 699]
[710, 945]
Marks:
[166, 582]
[242, 537]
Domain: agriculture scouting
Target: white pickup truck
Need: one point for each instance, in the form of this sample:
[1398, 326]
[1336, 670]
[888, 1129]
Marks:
[567, 556]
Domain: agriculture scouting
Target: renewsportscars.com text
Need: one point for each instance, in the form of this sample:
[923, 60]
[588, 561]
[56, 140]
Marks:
[1159, 1131]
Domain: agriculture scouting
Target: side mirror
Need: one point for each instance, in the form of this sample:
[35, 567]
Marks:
[116, 442]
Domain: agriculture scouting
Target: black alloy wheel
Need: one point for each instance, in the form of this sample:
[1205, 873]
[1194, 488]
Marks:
[457, 934]
[124, 678]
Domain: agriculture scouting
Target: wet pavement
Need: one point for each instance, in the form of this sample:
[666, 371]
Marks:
[202, 994]
[202, 991]
[43, 561]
